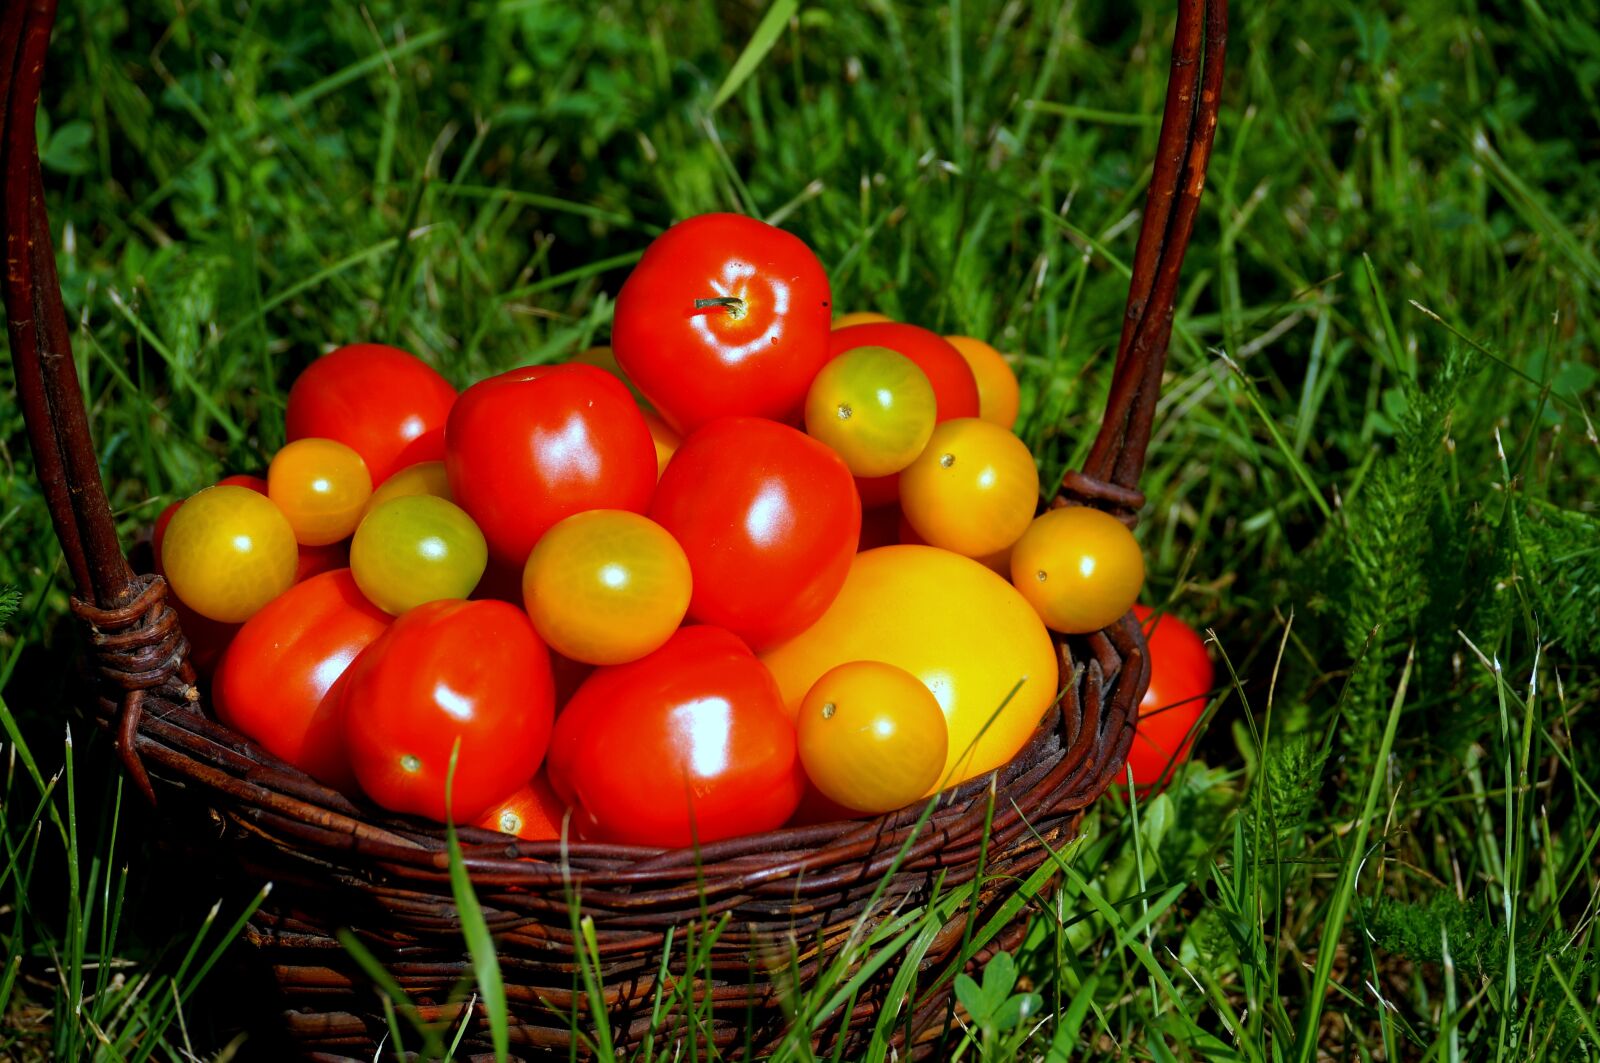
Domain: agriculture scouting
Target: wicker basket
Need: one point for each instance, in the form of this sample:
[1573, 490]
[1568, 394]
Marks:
[793, 895]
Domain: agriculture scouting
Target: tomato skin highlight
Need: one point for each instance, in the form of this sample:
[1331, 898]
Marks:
[1081, 568]
[385, 404]
[689, 744]
[769, 519]
[447, 670]
[1181, 681]
[227, 552]
[529, 447]
[695, 364]
[962, 630]
[955, 389]
[304, 640]
[871, 736]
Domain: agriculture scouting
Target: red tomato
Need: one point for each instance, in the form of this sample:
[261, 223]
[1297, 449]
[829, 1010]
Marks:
[255, 483]
[689, 744]
[533, 812]
[955, 389]
[1181, 677]
[277, 682]
[386, 405]
[769, 519]
[753, 350]
[527, 448]
[446, 671]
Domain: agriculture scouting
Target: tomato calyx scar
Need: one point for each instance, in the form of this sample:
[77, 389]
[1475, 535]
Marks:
[734, 305]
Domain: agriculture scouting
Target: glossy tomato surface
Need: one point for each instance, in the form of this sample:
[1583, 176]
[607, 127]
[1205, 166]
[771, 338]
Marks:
[955, 389]
[872, 737]
[276, 681]
[769, 519]
[1081, 568]
[873, 407]
[973, 490]
[227, 552]
[415, 549]
[386, 405]
[955, 625]
[1181, 679]
[322, 486]
[754, 341]
[532, 812]
[447, 671]
[690, 744]
[529, 447]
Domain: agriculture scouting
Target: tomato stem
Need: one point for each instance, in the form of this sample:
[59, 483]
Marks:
[732, 303]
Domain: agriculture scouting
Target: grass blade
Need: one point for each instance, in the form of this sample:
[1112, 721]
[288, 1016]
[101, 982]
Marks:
[761, 42]
[480, 944]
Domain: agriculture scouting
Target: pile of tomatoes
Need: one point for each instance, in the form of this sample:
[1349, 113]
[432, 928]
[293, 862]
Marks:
[759, 565]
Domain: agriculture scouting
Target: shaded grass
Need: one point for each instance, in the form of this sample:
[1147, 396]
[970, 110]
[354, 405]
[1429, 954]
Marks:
[1395, 187]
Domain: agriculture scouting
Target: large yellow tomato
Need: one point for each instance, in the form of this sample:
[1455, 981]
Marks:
[961, 629]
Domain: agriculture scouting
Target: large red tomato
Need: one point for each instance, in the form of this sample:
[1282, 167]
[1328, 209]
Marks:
[724, 314]
[446, 671]
[688, 744]
[769, 519]
[955, 389]
[529, 447]
[276, 683]
[386, 405]
[1181, 676]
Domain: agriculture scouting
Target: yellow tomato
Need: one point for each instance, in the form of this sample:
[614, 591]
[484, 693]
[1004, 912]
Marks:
[873, 407]
[417, 549]
[999, 396]
[606, 586]
[871, 736]
[1080, 568]
[859, 317]
[973, 489]
[227, 552]
[322, 486]
[665, 439]
[962, 630]
[423, 478]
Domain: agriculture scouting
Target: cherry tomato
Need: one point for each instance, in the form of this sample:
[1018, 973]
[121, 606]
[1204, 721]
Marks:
[1181, 678]
[322, 486]
[386, 405]
[415, 549]
[227, 552]
[872, 737]
[769, 519]
[423, 478]
[447, 671]
[955, 390]
[999, 395]
[861, 317]
[974, 489]
[723, 315]
[959, 628]
[687, 745]
[533, 812]
[666, 440]
[873, 407]
[606, 586]
[1079, 567]
[276, 682]
[530, 447]
[159, 530]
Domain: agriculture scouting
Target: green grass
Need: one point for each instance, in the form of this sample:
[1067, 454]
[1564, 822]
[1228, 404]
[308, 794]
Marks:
[1374, 476]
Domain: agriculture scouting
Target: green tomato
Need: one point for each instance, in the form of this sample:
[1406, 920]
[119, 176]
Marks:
[874, 408]
[415, 549]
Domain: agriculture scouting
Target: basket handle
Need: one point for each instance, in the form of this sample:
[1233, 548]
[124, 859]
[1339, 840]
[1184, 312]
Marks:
[58, 425]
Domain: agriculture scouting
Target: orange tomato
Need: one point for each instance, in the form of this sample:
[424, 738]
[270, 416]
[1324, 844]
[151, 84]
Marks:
[872, 738]
[962, 630]
[423, 478]
[606, 586]
[322, 486]
[974, 490]
[1079, 567]
[227, 552]
[999, 396]
[533, 813]
[861, 317]
[662, 435]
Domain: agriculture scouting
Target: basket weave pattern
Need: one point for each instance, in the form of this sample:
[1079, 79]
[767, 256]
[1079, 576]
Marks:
[791, 898]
